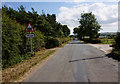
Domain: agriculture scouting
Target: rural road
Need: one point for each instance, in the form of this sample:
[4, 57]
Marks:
[76, 62]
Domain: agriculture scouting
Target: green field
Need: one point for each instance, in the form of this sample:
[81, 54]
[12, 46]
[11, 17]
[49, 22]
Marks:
[106, 41]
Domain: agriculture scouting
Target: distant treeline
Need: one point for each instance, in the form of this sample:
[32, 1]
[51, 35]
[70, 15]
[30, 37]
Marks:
[15, 46]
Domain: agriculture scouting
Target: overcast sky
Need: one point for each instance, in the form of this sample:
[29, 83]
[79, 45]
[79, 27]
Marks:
[68, 13]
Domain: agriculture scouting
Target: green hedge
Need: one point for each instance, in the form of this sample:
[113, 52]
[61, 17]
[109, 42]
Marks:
[116, 47]
[94, 41]
[55, 42]
[63, 40]
[51, 42]
[15, 46]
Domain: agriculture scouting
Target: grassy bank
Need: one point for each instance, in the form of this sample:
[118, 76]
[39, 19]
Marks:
[65, 43]
[13, 73]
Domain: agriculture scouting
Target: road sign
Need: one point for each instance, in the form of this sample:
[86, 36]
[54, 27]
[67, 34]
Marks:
[29, 28]
[30, 35]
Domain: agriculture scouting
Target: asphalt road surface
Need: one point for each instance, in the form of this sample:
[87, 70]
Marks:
[76, 62]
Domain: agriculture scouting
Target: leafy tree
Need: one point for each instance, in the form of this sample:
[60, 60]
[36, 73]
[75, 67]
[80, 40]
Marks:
[15, 43]
[65, 30]
[46, 24]
[88, 25]
[21, 17]
[16, 47]
[75, 30]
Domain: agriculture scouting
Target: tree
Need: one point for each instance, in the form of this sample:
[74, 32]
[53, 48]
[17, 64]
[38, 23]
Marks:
[65, 30]
[75, 30]
[16, 47]
[88, 25]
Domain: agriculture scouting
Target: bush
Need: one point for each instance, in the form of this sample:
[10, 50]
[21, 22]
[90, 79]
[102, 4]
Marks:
[116, 47]
[116, 43]
[116, 54]
[38, 41]
[51, 43]
[15, 46]
[63, 40]
[12, 43]
[55, 42]
[94, 41]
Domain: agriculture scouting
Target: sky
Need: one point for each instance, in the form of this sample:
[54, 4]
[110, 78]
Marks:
[68, 13]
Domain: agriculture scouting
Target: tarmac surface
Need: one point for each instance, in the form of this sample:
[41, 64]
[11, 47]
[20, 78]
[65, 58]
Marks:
[76, 62]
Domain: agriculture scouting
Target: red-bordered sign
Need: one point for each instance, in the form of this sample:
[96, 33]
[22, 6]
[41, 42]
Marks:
[29, 28]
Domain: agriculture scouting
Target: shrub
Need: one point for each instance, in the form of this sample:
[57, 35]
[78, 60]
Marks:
[116, 47]
[11, 41]
[63, 40]
[94, 41]
[15, 46]
[51, 42]
[116, 43]
[38, 41]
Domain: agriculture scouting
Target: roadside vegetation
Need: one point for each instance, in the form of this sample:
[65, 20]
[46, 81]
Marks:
[116, 47]
[88, 30]
[88, 27]
[16, 47]
[14, 72]
[106, 41]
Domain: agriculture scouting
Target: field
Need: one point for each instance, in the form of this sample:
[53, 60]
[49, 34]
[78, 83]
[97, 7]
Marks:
[106, 41]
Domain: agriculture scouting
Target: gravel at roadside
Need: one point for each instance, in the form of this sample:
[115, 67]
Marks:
[104, 47]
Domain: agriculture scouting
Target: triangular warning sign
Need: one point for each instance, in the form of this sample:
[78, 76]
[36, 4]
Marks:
[29, 28]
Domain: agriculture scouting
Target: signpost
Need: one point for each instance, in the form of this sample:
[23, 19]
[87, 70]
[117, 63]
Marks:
[30, 35]
[30, 29]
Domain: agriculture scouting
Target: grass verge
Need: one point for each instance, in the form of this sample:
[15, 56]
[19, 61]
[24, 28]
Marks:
[106, 41]
[98, 41]
[13, 73]
[65, 43]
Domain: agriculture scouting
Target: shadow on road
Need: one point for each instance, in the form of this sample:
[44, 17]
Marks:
[107, 55]
[87, 59]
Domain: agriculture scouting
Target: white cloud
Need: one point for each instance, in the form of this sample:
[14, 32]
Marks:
[106, 15]
[113, 27]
